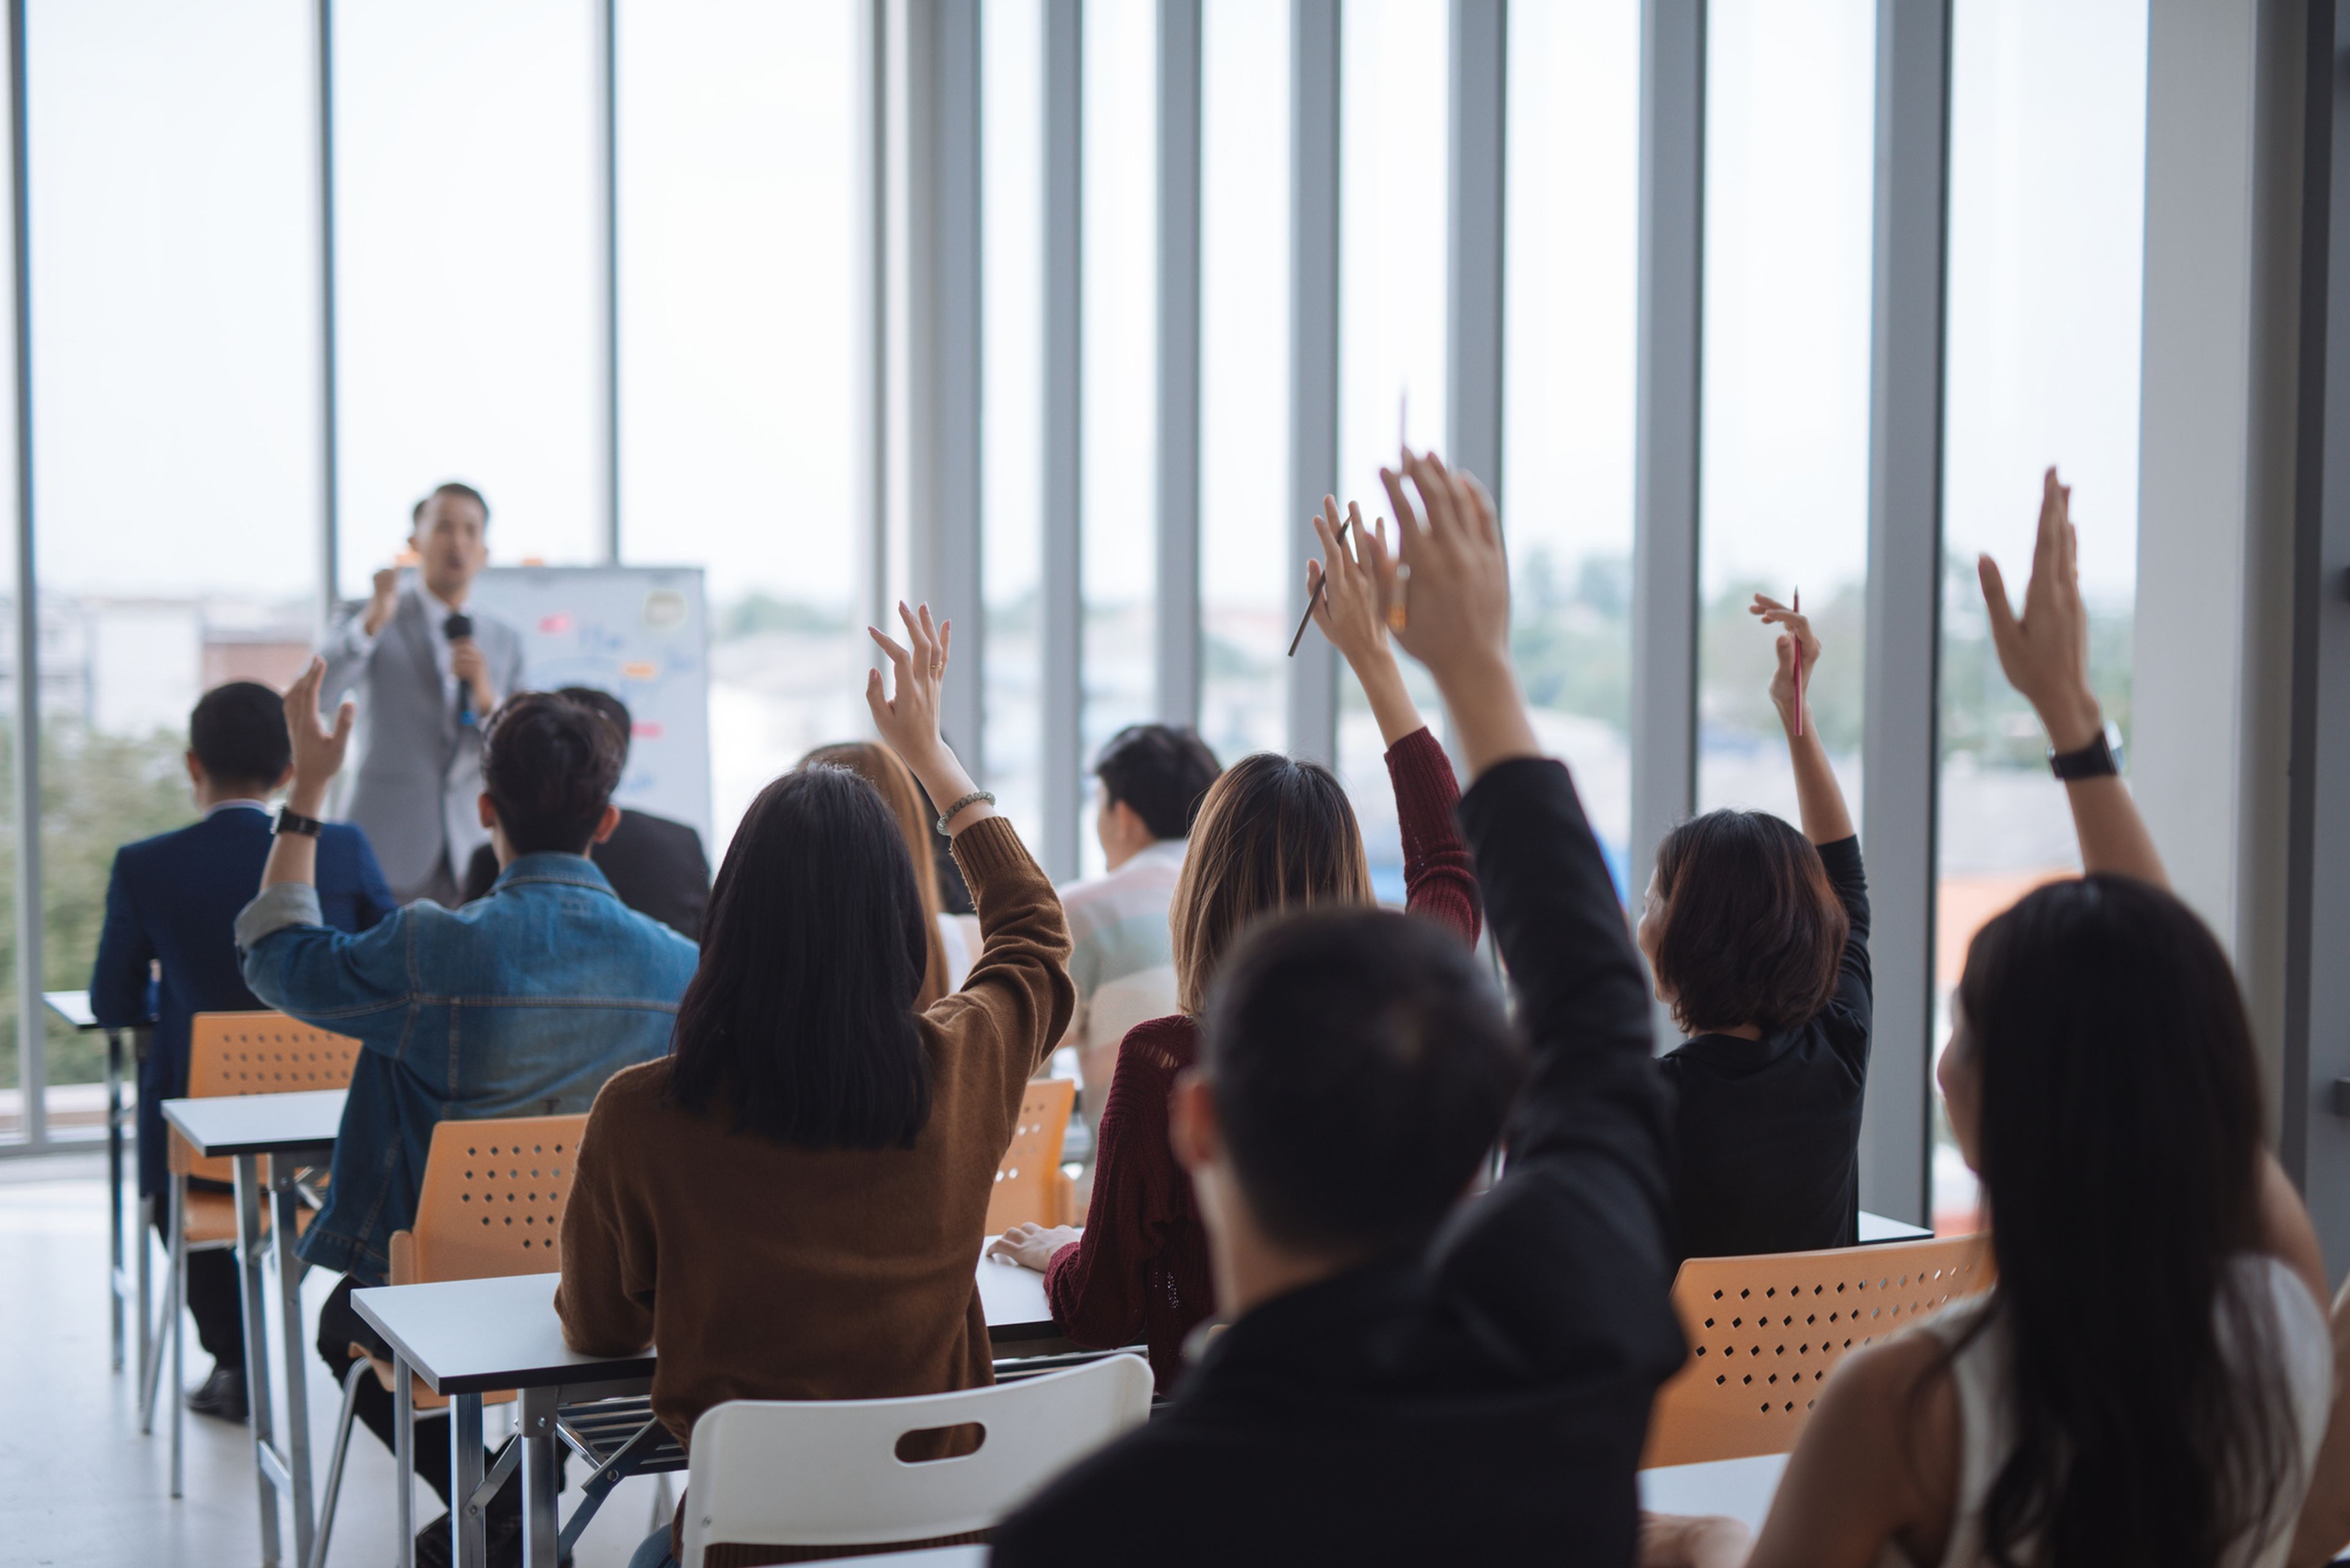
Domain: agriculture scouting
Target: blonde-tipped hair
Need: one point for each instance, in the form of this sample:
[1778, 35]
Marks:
[1274, 834]
[879, 766]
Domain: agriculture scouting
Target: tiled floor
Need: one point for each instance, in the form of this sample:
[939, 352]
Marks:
[80, 1485]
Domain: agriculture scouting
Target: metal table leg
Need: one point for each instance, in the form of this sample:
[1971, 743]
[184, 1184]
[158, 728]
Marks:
[403, 1457]
[114, 1279]
[256, 1346]
[284, 1223]
[465, 1517]
[541, 1524]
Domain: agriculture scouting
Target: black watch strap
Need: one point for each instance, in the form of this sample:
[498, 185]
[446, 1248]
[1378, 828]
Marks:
[2093, 760]
[292, 821]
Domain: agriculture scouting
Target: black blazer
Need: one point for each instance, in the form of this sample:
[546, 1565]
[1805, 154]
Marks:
[656, 865]
[1486, 1401]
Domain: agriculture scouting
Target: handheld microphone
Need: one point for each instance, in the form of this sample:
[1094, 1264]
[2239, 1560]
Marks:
[455, 628]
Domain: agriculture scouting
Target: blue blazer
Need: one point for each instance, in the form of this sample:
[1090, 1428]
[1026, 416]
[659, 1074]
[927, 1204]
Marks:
[175, 898]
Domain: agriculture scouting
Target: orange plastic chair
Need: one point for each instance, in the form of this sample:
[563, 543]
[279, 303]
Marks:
[491, 1206]
[1764, 1332]
[1029, 1186]
[229, 1054]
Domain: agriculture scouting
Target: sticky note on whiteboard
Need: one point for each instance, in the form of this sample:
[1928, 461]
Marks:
[640, 670]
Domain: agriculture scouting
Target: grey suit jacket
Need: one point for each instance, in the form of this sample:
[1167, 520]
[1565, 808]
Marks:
[420, 772]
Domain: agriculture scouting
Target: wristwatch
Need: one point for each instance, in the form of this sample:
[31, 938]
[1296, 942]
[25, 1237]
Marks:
[292, 821]
[2093, 760]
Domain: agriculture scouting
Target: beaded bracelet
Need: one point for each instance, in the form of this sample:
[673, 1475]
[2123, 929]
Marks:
[973, 798]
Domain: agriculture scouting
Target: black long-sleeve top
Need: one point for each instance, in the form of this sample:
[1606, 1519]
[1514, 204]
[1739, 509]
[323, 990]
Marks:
[1769, 1130]
[1484, 1402]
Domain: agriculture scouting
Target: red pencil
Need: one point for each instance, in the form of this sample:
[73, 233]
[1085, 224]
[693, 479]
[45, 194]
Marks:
[1798, 608]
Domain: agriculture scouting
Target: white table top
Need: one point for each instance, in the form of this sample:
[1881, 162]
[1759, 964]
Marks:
[259, 1124]
[472, 1336]
[1741, 1488]
[1876, 1227]
[73, 1006]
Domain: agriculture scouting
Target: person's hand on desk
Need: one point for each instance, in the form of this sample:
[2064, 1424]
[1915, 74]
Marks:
[1032, 1246]
[1681, 1540]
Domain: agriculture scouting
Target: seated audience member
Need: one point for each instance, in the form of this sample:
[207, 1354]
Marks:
[1404, 1378]
[1274, 834]
[655, 865]
[170, 910]
[791, 1202]
[1150, 780]
[519, 1005]
[1757, 937]
[2149, 1379]
[2325, 1527]
[949, 955]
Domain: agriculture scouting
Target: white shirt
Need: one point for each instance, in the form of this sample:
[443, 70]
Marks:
[238, 804]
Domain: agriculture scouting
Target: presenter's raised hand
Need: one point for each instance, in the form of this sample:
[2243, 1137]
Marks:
[386, 599]
[1452, 611]
[318, 751]
[906, 712]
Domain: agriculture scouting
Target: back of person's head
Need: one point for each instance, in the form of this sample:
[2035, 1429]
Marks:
[1362, 1065]
[613, 712]
[1753, 928]
[801, 1016]
[238, 734]
[1161, 771]
[549, 767]
[879, 766]
[1273, 833]
[2117, 1123]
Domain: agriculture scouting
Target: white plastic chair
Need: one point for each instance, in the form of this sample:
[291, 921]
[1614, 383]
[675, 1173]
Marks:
[826, 1472]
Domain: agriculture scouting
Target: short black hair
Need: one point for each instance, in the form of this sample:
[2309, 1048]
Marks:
[1362, 1065]
[1753, 931]
[615, 713]
[238, 732]
[456, 487]
[549, 766]
[1162, 771]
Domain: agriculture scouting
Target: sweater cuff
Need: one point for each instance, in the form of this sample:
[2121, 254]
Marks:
[990, 848]
[1417, 764]
[278, 906]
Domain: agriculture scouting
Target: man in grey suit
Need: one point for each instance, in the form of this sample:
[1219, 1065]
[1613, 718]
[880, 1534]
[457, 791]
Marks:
[428, 674]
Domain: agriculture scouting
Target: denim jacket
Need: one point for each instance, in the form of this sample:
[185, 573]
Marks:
[520, 1003]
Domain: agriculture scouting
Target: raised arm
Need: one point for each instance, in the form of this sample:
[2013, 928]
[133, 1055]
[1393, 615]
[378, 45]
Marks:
[1826, 818]
[2044, 653]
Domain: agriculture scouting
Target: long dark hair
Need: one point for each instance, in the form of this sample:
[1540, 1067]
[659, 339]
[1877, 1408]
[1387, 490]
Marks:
[802, 1014]
[2120, 1156]
[879, 766]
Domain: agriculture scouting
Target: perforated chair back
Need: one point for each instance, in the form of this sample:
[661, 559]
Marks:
[492, 1201]
[1764, 1332]
[1025, 1191]
[825, 1473]
[257, 1054]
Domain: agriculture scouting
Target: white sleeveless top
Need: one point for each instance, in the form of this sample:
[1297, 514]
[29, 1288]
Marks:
[1986, 1427]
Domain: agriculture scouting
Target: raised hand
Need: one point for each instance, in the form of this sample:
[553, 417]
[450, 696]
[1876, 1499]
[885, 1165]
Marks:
[385, 600]
[908, 717]
[318, 751]
[1357, 575]
[1797, 634]
[2044, 651]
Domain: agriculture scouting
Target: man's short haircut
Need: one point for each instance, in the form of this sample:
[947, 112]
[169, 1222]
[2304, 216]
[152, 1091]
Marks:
[238, 732]
[1362, 1065]
[1161, 771]
[615, 713]
[456, 487]
[1753, 928]
[549, 766]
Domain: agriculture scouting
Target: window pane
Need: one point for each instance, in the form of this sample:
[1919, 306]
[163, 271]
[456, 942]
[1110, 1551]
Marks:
[175, 286]
[1118, 518]
[2047, 227]
[1790, 156]
[738, 157]
[1244, 376]
[1393, 144]
[468, 248]
[1572, 363]
[1012, 272]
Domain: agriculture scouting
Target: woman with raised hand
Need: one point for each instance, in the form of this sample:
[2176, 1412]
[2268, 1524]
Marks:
[792, 1201]
[2147, 1380]
[1757, 935]
[879, 766]
[1273, 833]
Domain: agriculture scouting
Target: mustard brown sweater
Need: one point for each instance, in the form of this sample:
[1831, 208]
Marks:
[766, 1272]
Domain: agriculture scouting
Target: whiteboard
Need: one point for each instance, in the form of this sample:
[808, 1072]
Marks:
[638, 632]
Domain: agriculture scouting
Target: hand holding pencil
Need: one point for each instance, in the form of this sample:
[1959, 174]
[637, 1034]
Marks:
[1799, 653]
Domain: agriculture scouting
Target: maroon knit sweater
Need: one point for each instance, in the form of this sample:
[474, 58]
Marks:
[1141, 1271]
